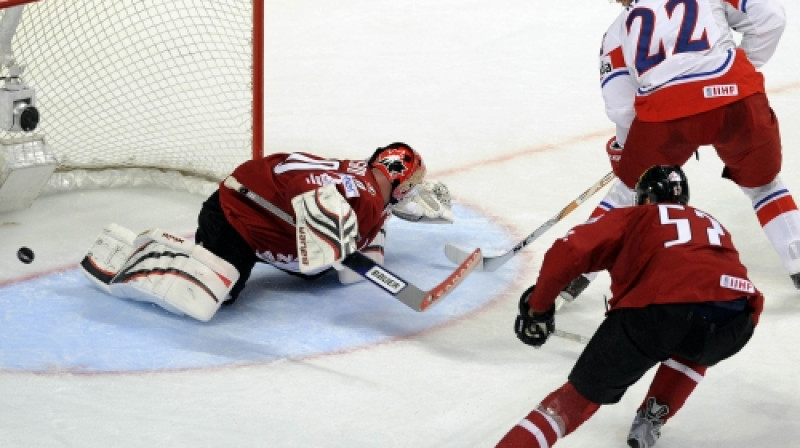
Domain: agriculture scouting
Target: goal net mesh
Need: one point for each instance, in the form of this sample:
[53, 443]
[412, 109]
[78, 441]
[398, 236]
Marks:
[131, 89]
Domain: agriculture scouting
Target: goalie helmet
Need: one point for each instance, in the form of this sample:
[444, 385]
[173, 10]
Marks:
[402, 166]
[662, 183]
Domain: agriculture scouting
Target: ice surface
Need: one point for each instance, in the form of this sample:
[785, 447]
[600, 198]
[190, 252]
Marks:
[502, 100]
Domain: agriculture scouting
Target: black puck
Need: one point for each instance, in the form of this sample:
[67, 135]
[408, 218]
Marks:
[25, 255]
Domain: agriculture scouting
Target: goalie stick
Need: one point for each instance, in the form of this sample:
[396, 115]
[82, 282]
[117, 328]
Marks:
[404, 291]
[458, 255]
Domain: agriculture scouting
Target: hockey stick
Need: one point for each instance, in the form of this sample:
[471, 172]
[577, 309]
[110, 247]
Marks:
[404, 291]
[458, 255]
[571, 336]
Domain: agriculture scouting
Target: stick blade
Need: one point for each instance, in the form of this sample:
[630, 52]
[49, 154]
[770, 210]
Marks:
[446, 286]
[457, 255]
[490, 264]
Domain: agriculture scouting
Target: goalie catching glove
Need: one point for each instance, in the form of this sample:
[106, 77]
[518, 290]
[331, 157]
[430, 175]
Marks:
[326, 228]
[430, 205]
[533, 328]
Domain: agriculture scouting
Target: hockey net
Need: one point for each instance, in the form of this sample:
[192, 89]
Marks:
[162, 92]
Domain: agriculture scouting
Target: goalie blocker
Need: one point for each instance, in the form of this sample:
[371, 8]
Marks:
[160, 268]
[326, 228]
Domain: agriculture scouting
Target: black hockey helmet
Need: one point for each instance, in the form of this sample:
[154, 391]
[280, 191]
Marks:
[662, 183]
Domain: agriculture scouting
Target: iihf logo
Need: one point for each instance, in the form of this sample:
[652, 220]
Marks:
[720, 90]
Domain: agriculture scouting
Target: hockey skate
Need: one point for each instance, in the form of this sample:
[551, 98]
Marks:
[646, 427]
[796, 280]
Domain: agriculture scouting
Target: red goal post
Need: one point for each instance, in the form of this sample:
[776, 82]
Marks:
[140, 93]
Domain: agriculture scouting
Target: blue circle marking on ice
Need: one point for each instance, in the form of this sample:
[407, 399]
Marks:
[60, 322]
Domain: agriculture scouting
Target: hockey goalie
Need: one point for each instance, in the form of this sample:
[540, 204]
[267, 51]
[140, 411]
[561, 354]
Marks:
[299, 212]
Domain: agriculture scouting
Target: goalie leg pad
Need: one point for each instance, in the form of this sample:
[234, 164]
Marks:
[107, 255]
[326, 228]
[175, 274]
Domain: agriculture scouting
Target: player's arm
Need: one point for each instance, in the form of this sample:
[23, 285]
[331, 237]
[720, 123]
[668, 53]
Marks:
[431, 205]
[761, 23]
[618, 83]
[618, 87]
[588, 247]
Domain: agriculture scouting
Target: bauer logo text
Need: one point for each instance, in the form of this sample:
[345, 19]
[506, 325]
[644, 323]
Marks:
[385, 280]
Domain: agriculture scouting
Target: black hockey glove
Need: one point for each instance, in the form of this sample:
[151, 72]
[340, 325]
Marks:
[534, 328]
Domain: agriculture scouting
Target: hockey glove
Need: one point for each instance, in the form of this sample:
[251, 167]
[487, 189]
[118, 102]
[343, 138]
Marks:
[533, 328]
[614, 151]
[326, 228]
[432, 204]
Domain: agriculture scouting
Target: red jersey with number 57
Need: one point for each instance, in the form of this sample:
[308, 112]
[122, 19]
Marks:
[280, 177]
[667, 253]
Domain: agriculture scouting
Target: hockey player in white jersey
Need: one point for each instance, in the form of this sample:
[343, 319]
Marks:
[673, 79]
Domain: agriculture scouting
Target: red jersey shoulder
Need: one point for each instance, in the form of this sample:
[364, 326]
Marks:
[306, 172]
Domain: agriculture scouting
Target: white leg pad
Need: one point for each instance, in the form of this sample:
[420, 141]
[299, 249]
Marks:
[175, 274]
[107, 255]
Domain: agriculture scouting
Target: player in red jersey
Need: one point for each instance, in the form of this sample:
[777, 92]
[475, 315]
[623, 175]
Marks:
[681, 298]
[319, 210]
[248, 234]
[673, 79]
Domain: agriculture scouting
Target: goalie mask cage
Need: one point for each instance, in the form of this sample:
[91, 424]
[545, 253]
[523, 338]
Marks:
[142, 92]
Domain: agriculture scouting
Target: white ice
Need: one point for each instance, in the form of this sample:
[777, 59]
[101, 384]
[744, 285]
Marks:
[502, 100]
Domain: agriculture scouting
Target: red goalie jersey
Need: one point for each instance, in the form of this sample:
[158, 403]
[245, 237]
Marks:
[661, 243]
[280, 177]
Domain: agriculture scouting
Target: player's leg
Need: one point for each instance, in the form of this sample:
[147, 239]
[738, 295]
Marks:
[558, 415]
[108, 253]
[708, 334]
[672, 384]
[750, 147]
[219, 237]
[611, 362]
[176, 274]
[634, 341]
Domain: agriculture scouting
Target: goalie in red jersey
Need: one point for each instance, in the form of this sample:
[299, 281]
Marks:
[318, 210]
[681, 298]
